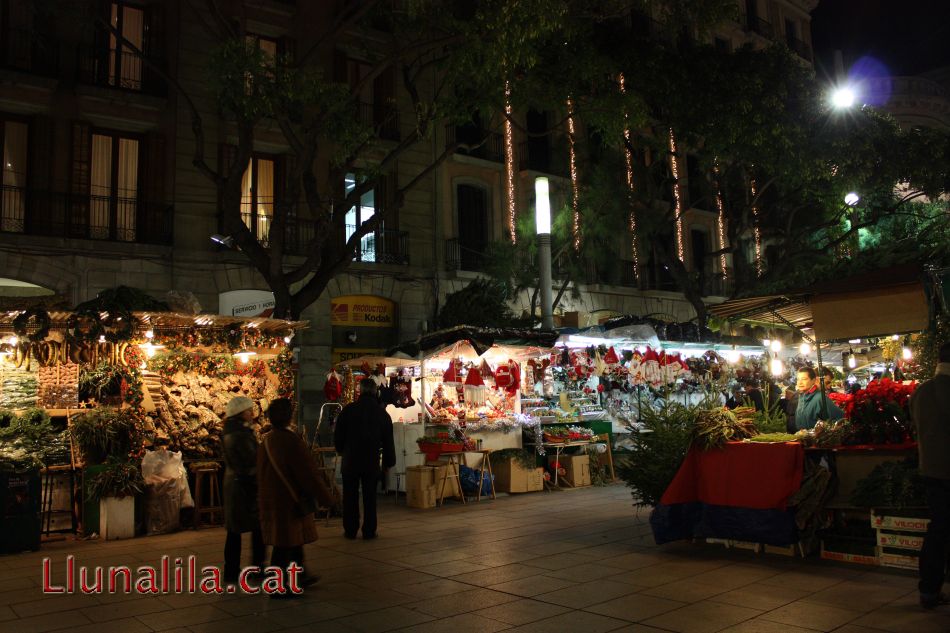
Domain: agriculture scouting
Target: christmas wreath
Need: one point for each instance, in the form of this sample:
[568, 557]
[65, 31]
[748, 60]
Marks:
[83, 326]
[22, 322]
[119, 326]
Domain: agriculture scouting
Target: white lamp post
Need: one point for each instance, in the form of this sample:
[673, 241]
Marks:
[542, 223]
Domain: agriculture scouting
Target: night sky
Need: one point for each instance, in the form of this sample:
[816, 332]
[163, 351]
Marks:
[908, 36]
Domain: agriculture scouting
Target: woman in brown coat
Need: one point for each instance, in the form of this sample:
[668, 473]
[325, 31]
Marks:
[284, 456]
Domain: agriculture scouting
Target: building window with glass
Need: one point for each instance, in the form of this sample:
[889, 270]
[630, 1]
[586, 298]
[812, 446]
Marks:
[356, 216]
[125, 65]
[114, 187]
[257, 195]
[14, 138]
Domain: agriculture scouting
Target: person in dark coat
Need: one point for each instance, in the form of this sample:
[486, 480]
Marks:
[789, 404]
[240, 487]
[754, 394]
[284, 455]
[930, 412]
[363, 431]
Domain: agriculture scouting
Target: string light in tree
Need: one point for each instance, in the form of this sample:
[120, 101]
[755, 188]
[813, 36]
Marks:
[756, 231]
[677, 199]
[574, 184]
[628, 156]
[720, 221]
[510, 165]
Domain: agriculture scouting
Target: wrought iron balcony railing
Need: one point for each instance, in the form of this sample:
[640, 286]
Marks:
[120, 69]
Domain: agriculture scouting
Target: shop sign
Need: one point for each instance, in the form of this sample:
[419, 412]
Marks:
[339, 355]
[362, 311]
[246, 303]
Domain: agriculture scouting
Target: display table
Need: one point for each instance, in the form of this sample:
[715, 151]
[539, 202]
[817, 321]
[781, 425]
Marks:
[738, 492]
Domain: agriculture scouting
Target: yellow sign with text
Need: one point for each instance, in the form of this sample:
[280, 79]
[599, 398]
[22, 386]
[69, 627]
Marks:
[342, 355]
[363, 311]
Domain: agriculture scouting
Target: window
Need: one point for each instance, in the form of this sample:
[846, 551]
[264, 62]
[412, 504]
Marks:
[270, 49]
[356, 216]
[375, 98]
[13, 137]
[257, 196]
[114, 187]
[125, 66]
[473, 226]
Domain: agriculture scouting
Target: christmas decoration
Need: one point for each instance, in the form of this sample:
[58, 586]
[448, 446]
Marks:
[333, 387]
[36, 319]
[401, 386]
[475, 391]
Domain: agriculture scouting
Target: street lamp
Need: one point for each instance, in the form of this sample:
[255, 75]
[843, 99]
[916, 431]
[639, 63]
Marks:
[542, 224]
[843, 97]
[851, 198]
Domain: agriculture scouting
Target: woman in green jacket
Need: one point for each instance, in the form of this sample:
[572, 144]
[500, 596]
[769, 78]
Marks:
[240, 487]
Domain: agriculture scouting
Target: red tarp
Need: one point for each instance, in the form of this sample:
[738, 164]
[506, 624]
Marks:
[741, 474]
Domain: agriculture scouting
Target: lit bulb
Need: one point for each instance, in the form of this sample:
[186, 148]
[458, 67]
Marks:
[776, 346]
[766, 342]
[906, 353]
[13, 340]
[855, 341]
[895, 338]
[731, 356]
[243, 357]
[287, 339]
[149, 334]
[102, 338]
[777, 367]
[805, 349]
[852, 362]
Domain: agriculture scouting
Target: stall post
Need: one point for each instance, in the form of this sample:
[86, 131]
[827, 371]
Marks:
[422, 394]
[821, 382]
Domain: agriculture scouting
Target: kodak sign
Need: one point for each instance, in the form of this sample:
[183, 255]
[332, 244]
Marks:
[363, 311]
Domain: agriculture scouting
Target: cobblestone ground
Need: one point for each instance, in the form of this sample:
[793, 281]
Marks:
[576, 560]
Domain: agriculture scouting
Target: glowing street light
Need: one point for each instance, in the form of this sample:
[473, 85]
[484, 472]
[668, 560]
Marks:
[843, 97]
[851, 198]
[542, 219]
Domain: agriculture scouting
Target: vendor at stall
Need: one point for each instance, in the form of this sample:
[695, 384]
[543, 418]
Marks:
[812, 403]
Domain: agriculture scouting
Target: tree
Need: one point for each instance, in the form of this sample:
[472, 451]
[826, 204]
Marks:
[450, 57]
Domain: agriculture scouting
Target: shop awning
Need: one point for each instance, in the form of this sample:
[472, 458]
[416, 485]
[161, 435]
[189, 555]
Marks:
[889, 301]
[176, 321]
[480, 339]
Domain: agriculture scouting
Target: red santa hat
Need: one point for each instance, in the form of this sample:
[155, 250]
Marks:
[611, 357]
[475, 391]
[451, 375]
[333, 387]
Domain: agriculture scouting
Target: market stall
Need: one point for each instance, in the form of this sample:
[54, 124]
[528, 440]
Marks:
[87, 394]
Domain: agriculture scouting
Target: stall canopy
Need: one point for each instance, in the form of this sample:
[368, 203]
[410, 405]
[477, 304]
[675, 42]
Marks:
[890, 301]
[480, 339]
[176, 321]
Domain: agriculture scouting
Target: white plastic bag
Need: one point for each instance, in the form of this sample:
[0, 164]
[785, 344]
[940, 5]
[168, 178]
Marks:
[162, 505]
[168, 465]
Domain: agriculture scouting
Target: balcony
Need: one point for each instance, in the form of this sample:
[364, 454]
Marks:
[800, 48]
[28, 51]
[485, 145]
[382, 116]
[537, 155]
[106, 218]
[122, 70]
[756, 24]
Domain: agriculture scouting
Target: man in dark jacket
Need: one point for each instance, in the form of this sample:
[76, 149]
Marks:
[363, 430]
[930, 410]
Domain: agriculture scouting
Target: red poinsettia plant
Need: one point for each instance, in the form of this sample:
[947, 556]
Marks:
[879, 413]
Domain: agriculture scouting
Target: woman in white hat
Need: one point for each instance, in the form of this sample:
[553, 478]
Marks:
[240, 487]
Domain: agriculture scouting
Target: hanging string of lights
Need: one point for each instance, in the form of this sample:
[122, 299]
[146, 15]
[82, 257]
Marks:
[756, 231]
[677, 199]
[628, 155]
[574, 184]
[510, 165]
[720, 221]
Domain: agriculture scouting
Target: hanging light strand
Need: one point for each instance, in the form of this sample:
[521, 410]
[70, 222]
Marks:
[756, 231]
[575, 203]
[720, 221]
[677, 199]
[628, 155]
[510, 165]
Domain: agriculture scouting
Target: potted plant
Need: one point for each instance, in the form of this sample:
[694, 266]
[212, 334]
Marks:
[116, 486]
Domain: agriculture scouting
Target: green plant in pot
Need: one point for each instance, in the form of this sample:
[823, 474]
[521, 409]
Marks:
[120, 478]
[104, 432]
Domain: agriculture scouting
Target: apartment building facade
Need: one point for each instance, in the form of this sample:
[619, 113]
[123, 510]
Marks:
[100, 188]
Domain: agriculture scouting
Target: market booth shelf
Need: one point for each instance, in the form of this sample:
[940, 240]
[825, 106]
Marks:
[86, 394]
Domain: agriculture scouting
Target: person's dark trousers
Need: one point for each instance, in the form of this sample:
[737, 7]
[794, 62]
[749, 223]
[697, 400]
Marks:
[283, 556]
[352, 483]
[232, 553]
[933, 556]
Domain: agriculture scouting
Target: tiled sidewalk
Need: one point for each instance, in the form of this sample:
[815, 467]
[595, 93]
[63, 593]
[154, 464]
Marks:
[579, 560]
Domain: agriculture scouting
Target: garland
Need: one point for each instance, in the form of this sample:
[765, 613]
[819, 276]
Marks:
[231, 339]
[22, 322]
[283, 367]
[211, 365]
[84, 326]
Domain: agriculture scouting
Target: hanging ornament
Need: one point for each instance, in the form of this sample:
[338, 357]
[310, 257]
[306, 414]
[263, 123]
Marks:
[401, 386]
[333, 387]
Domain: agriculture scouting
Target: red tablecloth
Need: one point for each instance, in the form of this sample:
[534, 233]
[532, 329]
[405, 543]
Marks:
[741, 474]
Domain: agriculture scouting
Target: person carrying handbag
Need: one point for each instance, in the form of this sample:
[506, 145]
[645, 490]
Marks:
[290, 487]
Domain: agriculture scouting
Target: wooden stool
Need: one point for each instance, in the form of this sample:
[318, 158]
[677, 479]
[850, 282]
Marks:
[207, 474]
[456, 459]
[485, 468]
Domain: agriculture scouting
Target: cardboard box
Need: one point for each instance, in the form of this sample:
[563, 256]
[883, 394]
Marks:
[420, 478]
[512, 477]
[577, 467]
[900, 561]
[421, 497]
[896, 540]
[904, 524]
